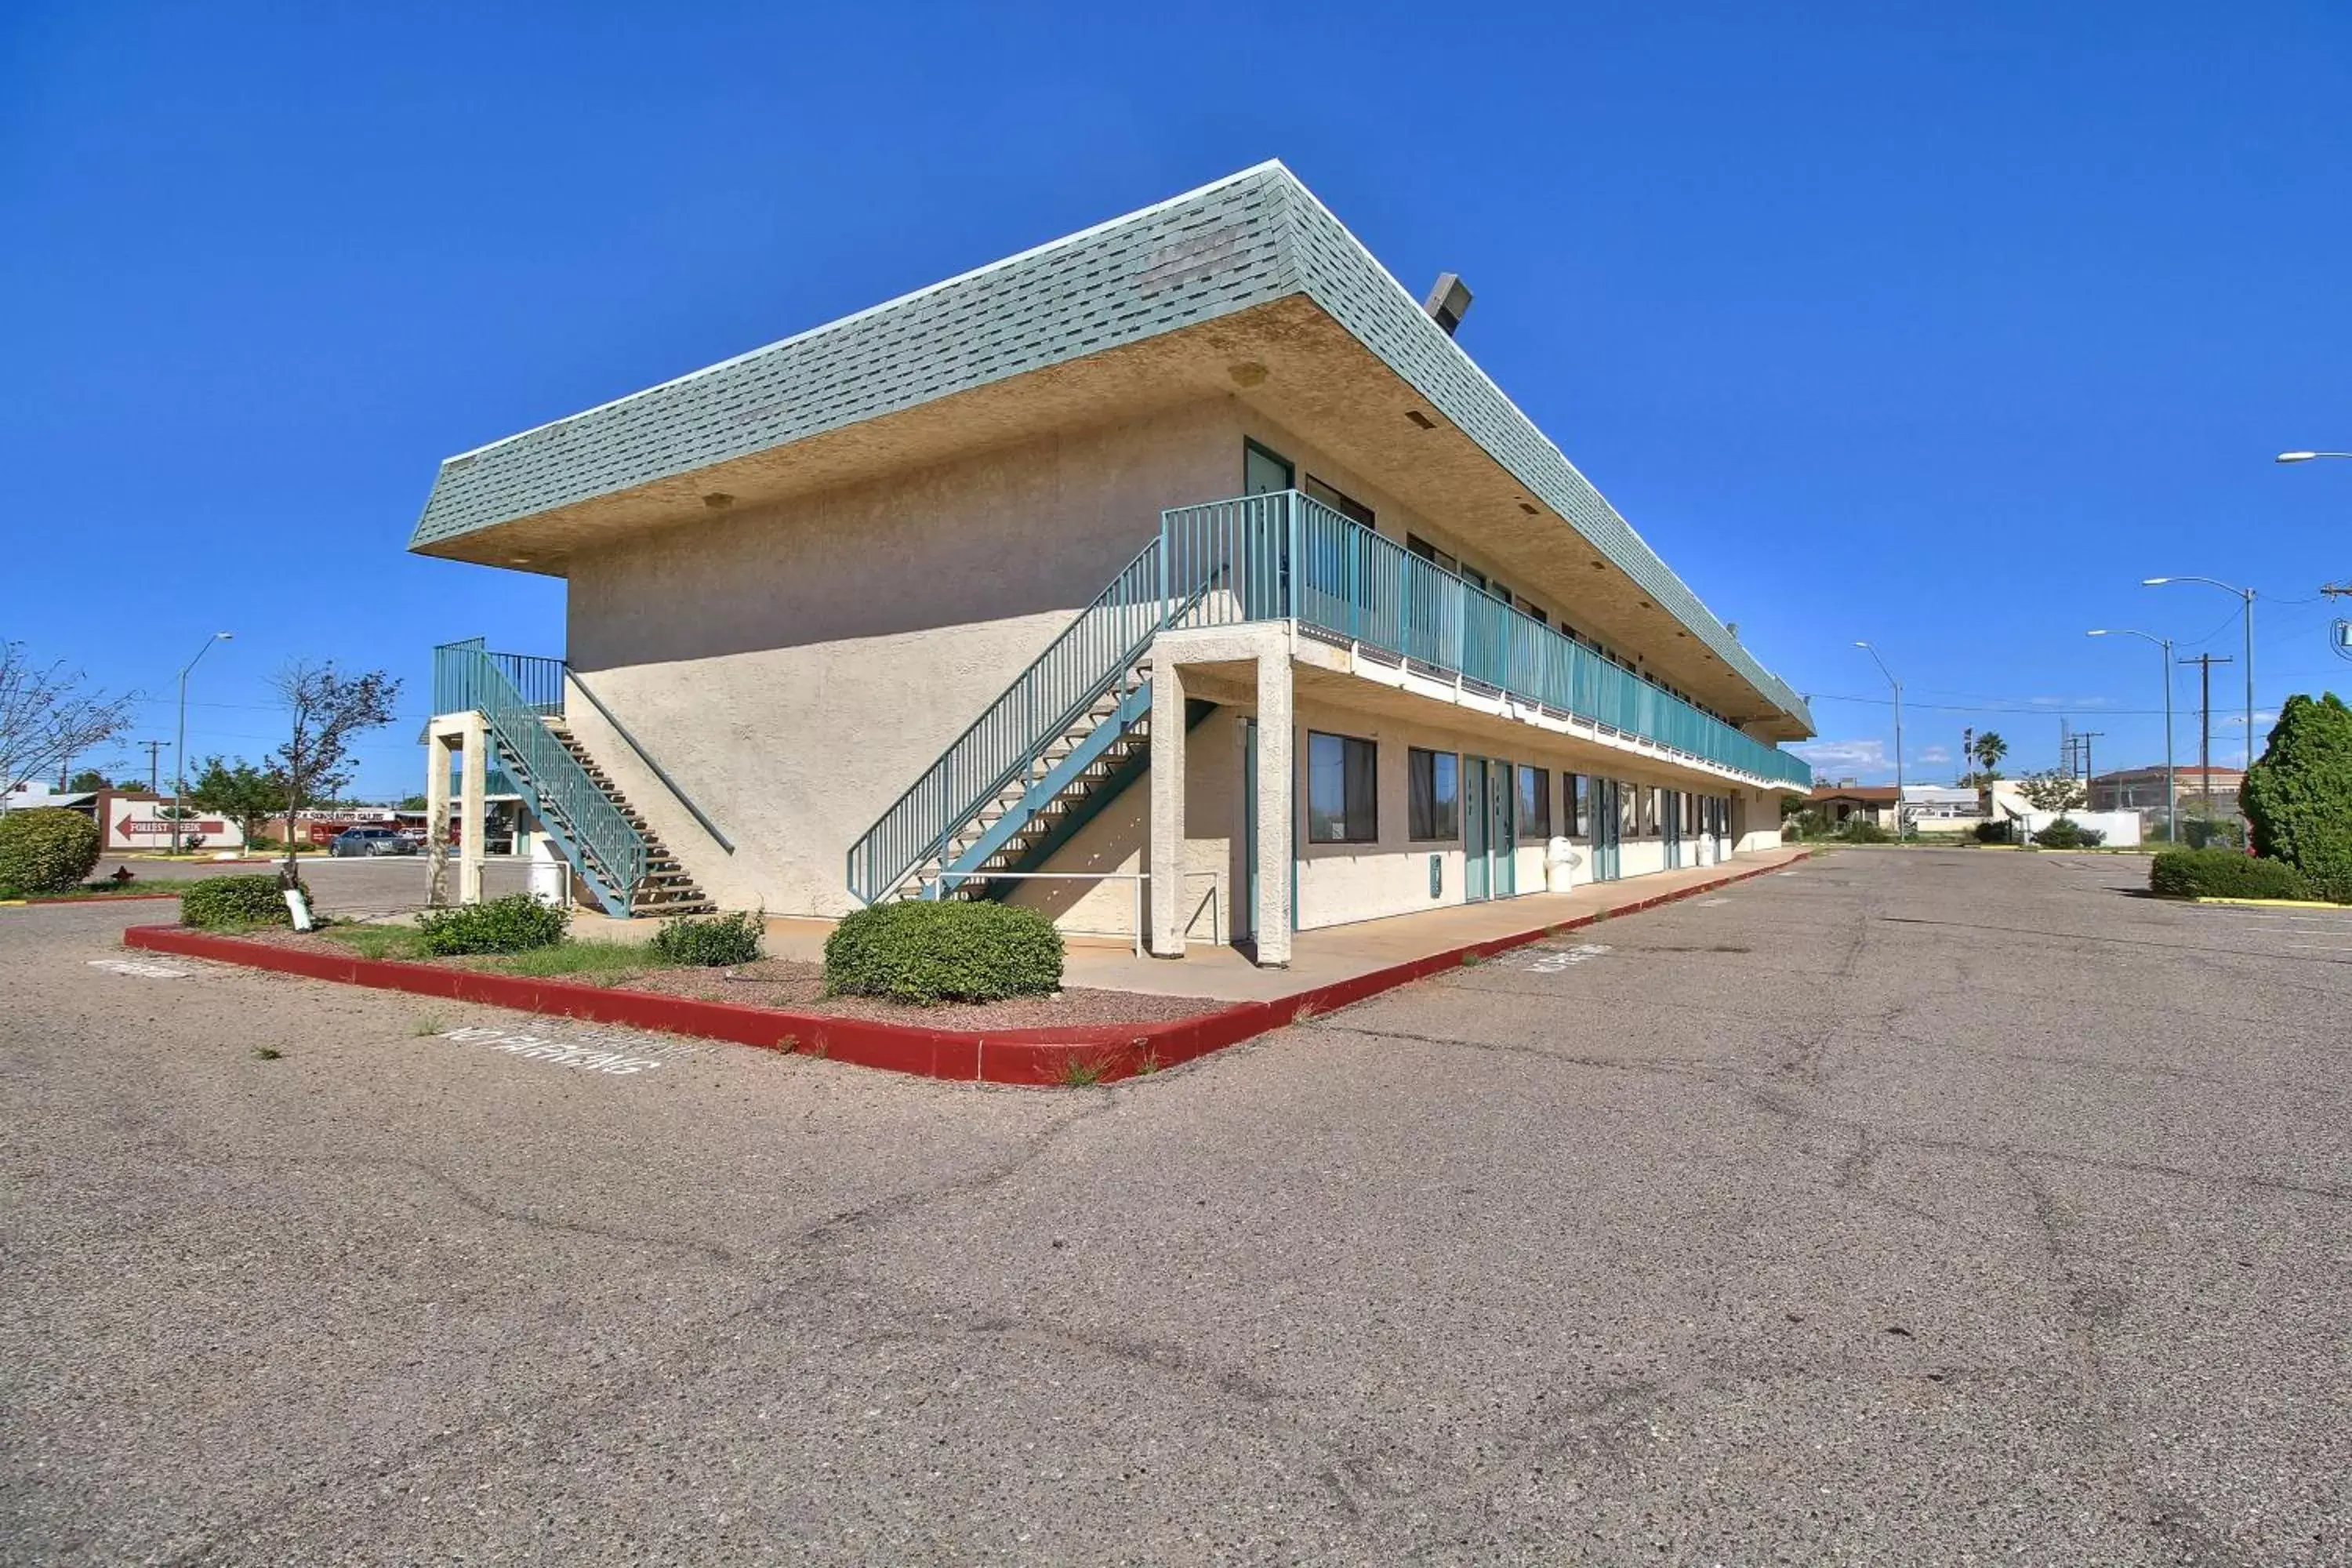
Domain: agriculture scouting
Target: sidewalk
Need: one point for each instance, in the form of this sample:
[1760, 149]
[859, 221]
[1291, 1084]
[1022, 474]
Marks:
[1335, 953]
[1317, 958]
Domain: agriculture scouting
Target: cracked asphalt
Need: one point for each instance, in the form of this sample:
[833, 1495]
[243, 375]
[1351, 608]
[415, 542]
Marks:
[1908, 1207]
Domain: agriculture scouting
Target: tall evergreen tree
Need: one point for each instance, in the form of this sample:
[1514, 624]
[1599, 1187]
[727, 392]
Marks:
[2298, 797]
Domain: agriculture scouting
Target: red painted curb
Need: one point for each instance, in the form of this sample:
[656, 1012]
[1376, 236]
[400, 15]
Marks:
[1103, 1053]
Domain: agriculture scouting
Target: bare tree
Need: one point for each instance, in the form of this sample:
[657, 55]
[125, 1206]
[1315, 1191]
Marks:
[48, 717]
[329, 710]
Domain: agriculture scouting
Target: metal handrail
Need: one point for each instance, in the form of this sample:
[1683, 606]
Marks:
[1286, 556]
[1100, 645]
[646, 757]
[602, 843]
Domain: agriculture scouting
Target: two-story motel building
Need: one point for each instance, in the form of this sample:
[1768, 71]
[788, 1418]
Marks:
[1188, 545]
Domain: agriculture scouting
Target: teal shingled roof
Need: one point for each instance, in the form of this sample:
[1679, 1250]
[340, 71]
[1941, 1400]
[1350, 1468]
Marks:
[1246, 240]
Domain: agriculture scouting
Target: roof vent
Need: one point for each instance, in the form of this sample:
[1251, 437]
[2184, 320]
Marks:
[1448, 301]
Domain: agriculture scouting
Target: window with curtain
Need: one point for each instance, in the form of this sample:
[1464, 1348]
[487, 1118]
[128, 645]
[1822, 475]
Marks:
[1342, 806]
[1534, 803]
[1579, 805]
[1434, 798]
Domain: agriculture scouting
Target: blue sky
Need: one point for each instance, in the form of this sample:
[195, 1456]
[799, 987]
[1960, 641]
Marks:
[1942, 328]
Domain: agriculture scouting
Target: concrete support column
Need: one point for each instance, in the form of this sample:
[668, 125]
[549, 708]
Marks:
[1278, 810]
[439, 746]
[1166, 841]
[473, 847]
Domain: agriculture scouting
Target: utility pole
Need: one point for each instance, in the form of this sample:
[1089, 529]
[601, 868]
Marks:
[2205, 663]
[2082, 739]
[154, 774]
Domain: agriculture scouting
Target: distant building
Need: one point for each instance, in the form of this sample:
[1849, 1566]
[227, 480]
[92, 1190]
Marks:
[2142, 790]
[1841, 803]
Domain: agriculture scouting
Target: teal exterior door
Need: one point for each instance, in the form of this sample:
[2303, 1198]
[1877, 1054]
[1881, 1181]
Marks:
[1490, 835]
[1604, 830]
[1477, 887]
[1246, 918]
[1670, 826]
[1502, 829]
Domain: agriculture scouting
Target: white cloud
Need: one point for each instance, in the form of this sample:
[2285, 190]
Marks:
[1934, 754]
[1845, 756]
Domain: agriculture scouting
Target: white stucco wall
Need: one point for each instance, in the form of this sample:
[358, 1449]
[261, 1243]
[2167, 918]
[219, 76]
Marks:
[1339, 884]
[795, 670]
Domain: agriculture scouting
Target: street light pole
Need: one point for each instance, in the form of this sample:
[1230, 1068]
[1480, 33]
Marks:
[2171, 795]
[180, 754]
[1898, 733]
[2248, 595]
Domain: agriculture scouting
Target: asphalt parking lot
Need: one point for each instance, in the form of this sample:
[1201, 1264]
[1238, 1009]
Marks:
[352, 886]
[1908, 1207]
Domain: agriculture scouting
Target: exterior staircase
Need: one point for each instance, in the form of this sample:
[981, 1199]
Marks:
[613, 854]
[1059, 744]
[665, 889]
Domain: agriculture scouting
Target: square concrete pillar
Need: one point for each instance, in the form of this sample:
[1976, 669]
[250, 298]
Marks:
[440, 746]
[1277, 809]
[1167, 845]
[473, 847]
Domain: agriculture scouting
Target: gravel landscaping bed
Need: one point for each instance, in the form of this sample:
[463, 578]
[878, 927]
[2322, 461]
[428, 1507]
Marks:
[798, 987]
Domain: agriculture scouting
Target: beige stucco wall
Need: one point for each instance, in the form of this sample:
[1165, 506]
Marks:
[796, 670]
[796, 667]
[1339, 884]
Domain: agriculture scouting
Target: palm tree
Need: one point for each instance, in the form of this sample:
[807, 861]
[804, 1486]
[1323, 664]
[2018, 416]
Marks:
[1988, 751]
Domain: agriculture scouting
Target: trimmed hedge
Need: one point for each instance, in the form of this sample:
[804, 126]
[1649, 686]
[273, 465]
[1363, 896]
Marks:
[710, 944]
[46, 849]
[516, 923]
[2068, 833]
[2221, 874]
[213, 902]
[945, 951]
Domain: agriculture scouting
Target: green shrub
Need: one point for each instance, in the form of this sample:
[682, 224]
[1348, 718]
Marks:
[214, 902]
[945, 951]
[516, 923]
[2221, 874]
[710, 944]
[2002, 832]
[1862, 830]
[2068, 833]
[46, 850]
[2298, 795]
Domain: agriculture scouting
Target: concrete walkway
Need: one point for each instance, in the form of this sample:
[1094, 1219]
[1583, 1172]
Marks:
[1334, 953]
[1316, 957]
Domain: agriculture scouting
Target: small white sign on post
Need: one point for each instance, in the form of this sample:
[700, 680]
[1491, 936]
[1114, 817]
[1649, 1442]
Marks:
[298, 908]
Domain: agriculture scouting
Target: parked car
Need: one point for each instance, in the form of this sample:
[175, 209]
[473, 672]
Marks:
[371, 841]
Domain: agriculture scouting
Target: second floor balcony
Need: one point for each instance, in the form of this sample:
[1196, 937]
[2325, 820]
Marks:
[1287, 556]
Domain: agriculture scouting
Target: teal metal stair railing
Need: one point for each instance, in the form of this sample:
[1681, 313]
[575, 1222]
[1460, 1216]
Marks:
[1287, 556]
[515, 695]
[1044, 702]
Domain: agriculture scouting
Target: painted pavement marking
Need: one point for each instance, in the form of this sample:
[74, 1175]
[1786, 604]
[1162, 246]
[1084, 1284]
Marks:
[141, 971]
[584, 1053]
[1710, 903]
[1554, 960]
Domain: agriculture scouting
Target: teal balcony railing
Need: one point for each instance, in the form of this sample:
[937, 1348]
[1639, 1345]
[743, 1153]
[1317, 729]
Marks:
[1286, 556]
[601, 843]
[1043, 702]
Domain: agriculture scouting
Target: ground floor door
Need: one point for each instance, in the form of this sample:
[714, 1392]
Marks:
[1670, 826]
[1490, 839]
[1245, 917]
[1604, 830]
[1477, 884]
